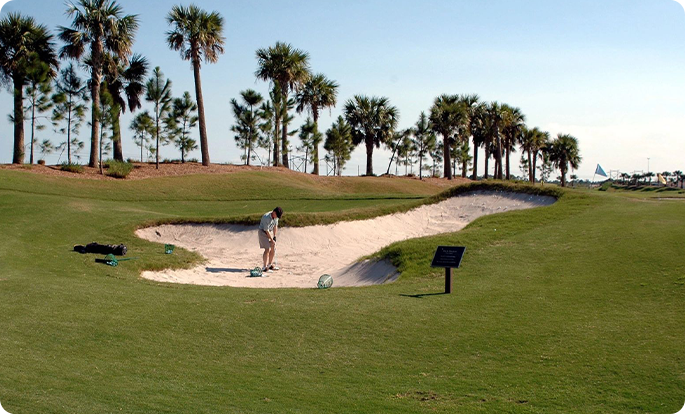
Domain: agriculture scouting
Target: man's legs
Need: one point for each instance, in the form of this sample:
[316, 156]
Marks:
[272, 253]
[268, 254]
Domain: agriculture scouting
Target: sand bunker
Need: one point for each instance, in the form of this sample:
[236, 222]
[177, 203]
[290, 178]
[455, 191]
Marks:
[304, 254]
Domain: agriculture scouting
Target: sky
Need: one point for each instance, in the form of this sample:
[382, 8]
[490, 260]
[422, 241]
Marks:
[608, 72]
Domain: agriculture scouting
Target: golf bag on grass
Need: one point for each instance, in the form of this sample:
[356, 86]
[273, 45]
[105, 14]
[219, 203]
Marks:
[118, 250]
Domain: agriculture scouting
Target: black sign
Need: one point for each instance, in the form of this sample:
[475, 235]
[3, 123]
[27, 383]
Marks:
[448, 257]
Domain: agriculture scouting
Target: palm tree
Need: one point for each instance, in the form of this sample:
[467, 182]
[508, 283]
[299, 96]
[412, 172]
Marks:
[23, 41]
[373, 121]
[318, 93]
[563, 153]
[424, 140]
[158, 91]
[197, 35]
[533, 142]
[447, 113]
[495, 115]
[126, 84]
[288, 68]
[101, 25]
[512, 128]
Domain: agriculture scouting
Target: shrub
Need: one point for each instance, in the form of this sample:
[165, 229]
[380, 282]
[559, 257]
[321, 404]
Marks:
[119, 169]
[41, 162]
[74, 168]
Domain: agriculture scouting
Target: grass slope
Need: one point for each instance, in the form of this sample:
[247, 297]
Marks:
[576, 307]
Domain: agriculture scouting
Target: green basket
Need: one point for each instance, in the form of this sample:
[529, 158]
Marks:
[168, 248]
[325, 281]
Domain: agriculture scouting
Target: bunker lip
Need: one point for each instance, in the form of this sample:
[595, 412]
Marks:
[306, 253]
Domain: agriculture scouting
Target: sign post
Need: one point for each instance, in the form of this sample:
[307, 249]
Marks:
[448, 257]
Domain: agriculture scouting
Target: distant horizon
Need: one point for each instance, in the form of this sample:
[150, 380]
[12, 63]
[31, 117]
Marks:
[609, 74]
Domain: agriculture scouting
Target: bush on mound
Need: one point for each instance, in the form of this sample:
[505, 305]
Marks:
[118, 169]
[74, 168]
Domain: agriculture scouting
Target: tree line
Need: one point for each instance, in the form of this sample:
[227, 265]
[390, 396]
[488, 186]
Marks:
[101, 39]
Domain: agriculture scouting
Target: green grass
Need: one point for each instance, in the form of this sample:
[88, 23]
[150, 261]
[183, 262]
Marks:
[576, 307]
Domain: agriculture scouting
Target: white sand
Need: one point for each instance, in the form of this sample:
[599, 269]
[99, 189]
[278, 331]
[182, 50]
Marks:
[304, 254]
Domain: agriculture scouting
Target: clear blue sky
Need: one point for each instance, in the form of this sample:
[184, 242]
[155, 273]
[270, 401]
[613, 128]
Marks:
[609, 72]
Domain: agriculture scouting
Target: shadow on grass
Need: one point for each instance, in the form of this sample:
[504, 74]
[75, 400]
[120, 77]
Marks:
[423, 295]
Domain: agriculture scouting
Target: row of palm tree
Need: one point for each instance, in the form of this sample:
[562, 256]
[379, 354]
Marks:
[101, 38]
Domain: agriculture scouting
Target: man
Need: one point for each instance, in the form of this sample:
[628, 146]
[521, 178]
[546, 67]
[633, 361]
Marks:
[267, 241]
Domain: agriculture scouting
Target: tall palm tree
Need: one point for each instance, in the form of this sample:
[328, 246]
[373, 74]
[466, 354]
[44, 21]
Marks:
[288, 68]
[197, 34]
[446, 114]
[158, 91]
[495, 115]
[126, 84]
[512, 128]
[564, 152]
[23, 41]
[533, 142]
[101, 25]
[318, 93]
[478, 127]
[373, 121]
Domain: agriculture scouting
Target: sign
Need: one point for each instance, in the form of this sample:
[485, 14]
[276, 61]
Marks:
[448, 257]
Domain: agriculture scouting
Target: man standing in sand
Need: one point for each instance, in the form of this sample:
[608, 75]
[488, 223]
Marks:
[267, 225]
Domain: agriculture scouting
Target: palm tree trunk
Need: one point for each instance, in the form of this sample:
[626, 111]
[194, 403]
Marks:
[33, 128]
[95, 78]
[116, 134]
[18, 156]
[284, 144]
[499, 157]
[369, 156]
[69, 132]
[474, 176]
[391, 158]
[277, 130]
[535, 163]
[446, 156]
[563, 175]
[463, 169]
[487, 161]
[531, 171]
[315, 152]
[421, 168]
[284, 135]
[157, 135]
[204, 146]
[508, 151]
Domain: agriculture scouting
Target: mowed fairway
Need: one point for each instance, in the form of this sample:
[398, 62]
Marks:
[577, 307]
